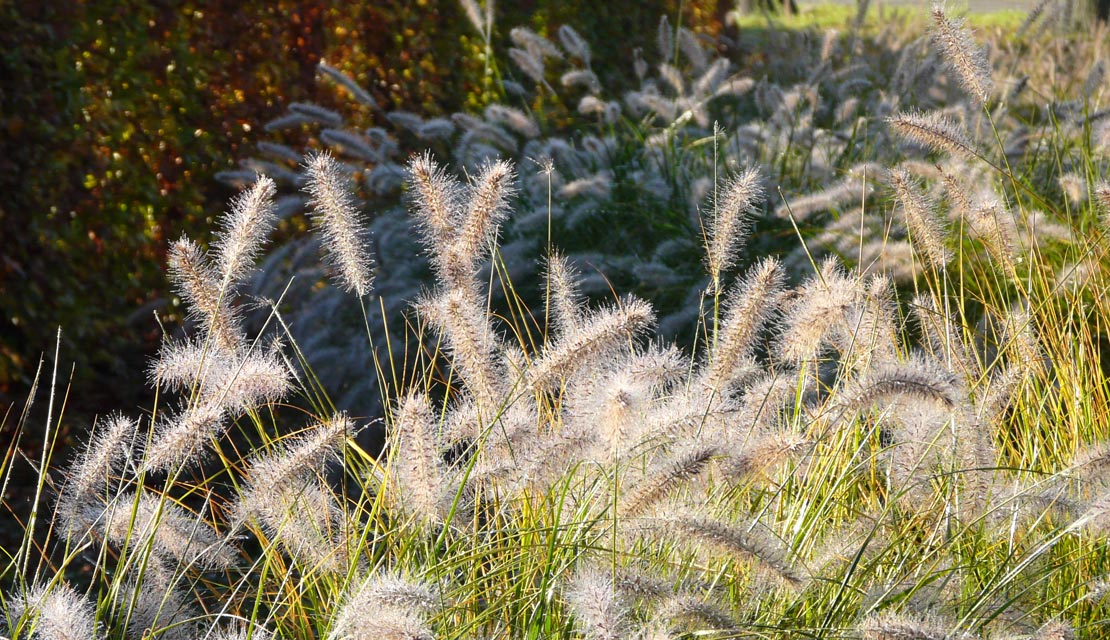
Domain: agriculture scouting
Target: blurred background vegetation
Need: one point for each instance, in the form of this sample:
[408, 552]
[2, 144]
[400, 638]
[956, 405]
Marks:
[114, 116]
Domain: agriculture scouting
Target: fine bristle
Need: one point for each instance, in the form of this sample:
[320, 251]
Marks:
[436, 198]
[599, 612]
[968, 60]
[53, 612]
[670, 474]
[170, 531]
[918, 379]
[417, 471]
[598, 334]
[925, 227]
[727, 229]
[894, 626]
[756, 542]
[92, 476]
[386, 606]
[934, 131]
[818, 316]
[337, 218]
[749, 309]
[244, 229]
[199, 285]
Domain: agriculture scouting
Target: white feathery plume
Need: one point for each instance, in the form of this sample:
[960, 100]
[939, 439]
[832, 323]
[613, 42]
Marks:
[727, 229]
[269, 473]
[574, 44]
[51, 612]
[417, 472]
[534, 43]
[968, 60]
[581, 78]
[531, 65]
[181, 439]
[599, 611]
[603, 331]
[387, 606]
[198, 283]
[461, 319]
[564, 299]
[93, 471]
[514, 119]
[302, 516]
[437, 199]
[757, 542]
[747, 311]
[335, 214]
[818, 315]
[488, 207]
[664, 39]
[244, 229]
[156, 606]
[890, 626]
[170, 531]
[919, 379]
[925, 227]
[934, 130]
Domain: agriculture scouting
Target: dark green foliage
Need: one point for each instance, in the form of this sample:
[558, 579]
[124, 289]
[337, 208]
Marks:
[114, 117]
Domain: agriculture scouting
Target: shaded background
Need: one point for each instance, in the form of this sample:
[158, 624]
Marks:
[114, 117]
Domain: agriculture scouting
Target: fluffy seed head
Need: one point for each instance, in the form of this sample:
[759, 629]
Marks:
[658, 484]
[747, 312]
[302, 516]
[934, 131]
[93, 470]
[244, 230]
[337, 218]
[531, 65]
[53, 612]
[316, 113]
[993, 224]
[921, 218]
[1055, 630]
[599, 612]
[417, 473]
[170, 531]
[436, 198]
[918, 379]
[181, 439]
[818, 315]
[461, 320]
[489, 199]
[1102, 199]
[599, 334]
[894, 626]
[728, 227]
[756, 542]
[581, 78]
[534, 43]
[564, 300]
[268, 474]
[962, 55]
[574, 44]
[198, 283]
[385, 606]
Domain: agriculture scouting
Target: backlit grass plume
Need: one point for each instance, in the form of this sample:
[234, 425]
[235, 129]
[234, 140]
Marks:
[963, 56]
[725, 233]
[337, 217]
[887, 426]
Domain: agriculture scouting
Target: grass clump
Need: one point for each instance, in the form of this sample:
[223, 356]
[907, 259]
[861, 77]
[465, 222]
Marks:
[851, 446]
